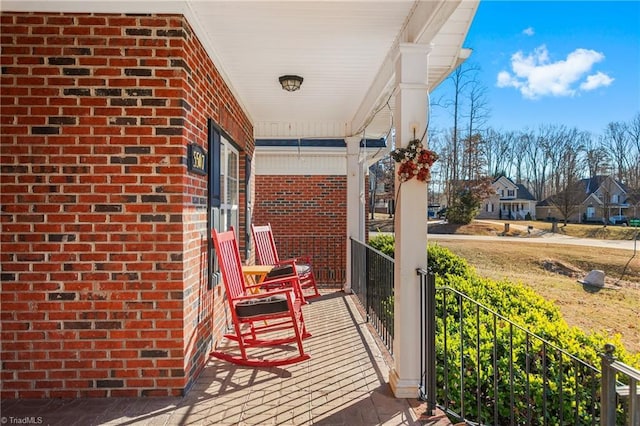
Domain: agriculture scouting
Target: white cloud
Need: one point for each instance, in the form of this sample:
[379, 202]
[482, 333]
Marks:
[528, 31]
[596, 80]
[535, 75]
[505, 80]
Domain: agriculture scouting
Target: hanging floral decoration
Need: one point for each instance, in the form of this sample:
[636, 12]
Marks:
[415, 161]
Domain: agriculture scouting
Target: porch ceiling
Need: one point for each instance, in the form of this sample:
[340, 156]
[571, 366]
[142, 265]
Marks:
[344, 50]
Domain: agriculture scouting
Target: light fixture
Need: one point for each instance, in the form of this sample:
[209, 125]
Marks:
[290, 83]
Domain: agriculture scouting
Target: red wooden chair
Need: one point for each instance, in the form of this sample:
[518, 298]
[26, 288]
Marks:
[267, 254]
[259, 319]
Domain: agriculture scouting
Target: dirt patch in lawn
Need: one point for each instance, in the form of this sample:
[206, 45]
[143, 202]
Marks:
[563, 268]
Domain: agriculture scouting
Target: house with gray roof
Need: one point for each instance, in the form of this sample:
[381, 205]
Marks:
[510, 200]
[597, 199]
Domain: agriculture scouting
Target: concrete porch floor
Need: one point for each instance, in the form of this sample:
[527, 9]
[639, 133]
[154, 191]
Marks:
[344, 383]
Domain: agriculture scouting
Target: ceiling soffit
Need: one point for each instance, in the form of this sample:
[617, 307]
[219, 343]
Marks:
[344, 50]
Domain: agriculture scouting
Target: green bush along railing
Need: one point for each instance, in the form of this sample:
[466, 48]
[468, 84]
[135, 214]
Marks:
[501, 341]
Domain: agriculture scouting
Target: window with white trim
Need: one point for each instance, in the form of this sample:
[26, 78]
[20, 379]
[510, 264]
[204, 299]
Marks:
[230, 186]
[224, 191]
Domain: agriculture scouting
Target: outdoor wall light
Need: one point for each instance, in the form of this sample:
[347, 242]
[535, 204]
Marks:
[290, 83]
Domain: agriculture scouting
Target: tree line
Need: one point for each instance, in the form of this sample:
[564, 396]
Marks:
[547, 159]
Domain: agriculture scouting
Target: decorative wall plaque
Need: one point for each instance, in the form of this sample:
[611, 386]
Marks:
[197, 159]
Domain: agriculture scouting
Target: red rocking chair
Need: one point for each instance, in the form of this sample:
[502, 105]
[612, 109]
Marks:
[267, 254]
[259, 319]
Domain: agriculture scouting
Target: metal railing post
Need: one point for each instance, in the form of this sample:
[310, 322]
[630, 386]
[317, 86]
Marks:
[608, 388]
[634, 403]
[431, 342]
[368, 280]
[628, 392]
[428, 345]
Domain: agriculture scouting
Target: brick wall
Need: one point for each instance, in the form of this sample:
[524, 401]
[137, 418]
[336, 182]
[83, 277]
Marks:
[302, 205]
[104, 289]
[308, 215]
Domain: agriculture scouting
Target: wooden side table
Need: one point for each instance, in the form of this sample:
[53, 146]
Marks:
[255, 274]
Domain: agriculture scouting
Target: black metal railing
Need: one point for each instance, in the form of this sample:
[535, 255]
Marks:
[482, 368]
[326, 252]
[372, 282]
[620, 399]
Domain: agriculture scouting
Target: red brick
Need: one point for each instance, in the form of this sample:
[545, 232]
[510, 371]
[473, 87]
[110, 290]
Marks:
[32, 375]
[96, 254]
[80, 384]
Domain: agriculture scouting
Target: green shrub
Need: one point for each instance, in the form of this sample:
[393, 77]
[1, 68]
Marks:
[464, 207]
[383, 242]
[442, 262]
[515, 301]
[506, 352]
[523, 306]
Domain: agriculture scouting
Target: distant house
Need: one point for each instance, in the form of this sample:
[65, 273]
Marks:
[510, 201]
[603, 197]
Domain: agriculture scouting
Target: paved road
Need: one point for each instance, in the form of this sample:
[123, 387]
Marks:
[544, 239]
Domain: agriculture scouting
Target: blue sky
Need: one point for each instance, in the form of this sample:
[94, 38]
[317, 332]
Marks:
[575, 63]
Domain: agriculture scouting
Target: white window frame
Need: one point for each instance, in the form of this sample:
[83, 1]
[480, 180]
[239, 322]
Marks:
[230, 185]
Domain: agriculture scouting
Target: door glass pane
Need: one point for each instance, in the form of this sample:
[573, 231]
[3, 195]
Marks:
[233, 179]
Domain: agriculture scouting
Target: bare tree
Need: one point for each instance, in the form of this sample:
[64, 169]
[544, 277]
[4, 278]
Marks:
[442, 174]
[617, 142]
[477, 116]
[474, 162]
[518, 160]
[461, 79]
[569, 198]
[496, 151]
[597, 158]
[439, 170]
[547, 139]
[568, 201]
[556, 141]
[634, 133]
[535, 164]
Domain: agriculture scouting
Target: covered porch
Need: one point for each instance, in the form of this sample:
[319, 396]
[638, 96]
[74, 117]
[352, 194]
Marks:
[166, 120]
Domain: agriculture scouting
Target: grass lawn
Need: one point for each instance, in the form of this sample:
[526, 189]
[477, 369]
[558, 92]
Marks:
[552, 270]
[610, 232]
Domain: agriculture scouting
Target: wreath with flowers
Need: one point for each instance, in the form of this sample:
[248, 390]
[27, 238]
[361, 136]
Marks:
[415, 161]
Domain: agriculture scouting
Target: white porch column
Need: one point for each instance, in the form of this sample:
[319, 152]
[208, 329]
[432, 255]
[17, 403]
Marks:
[410, 222]
[354, 221]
